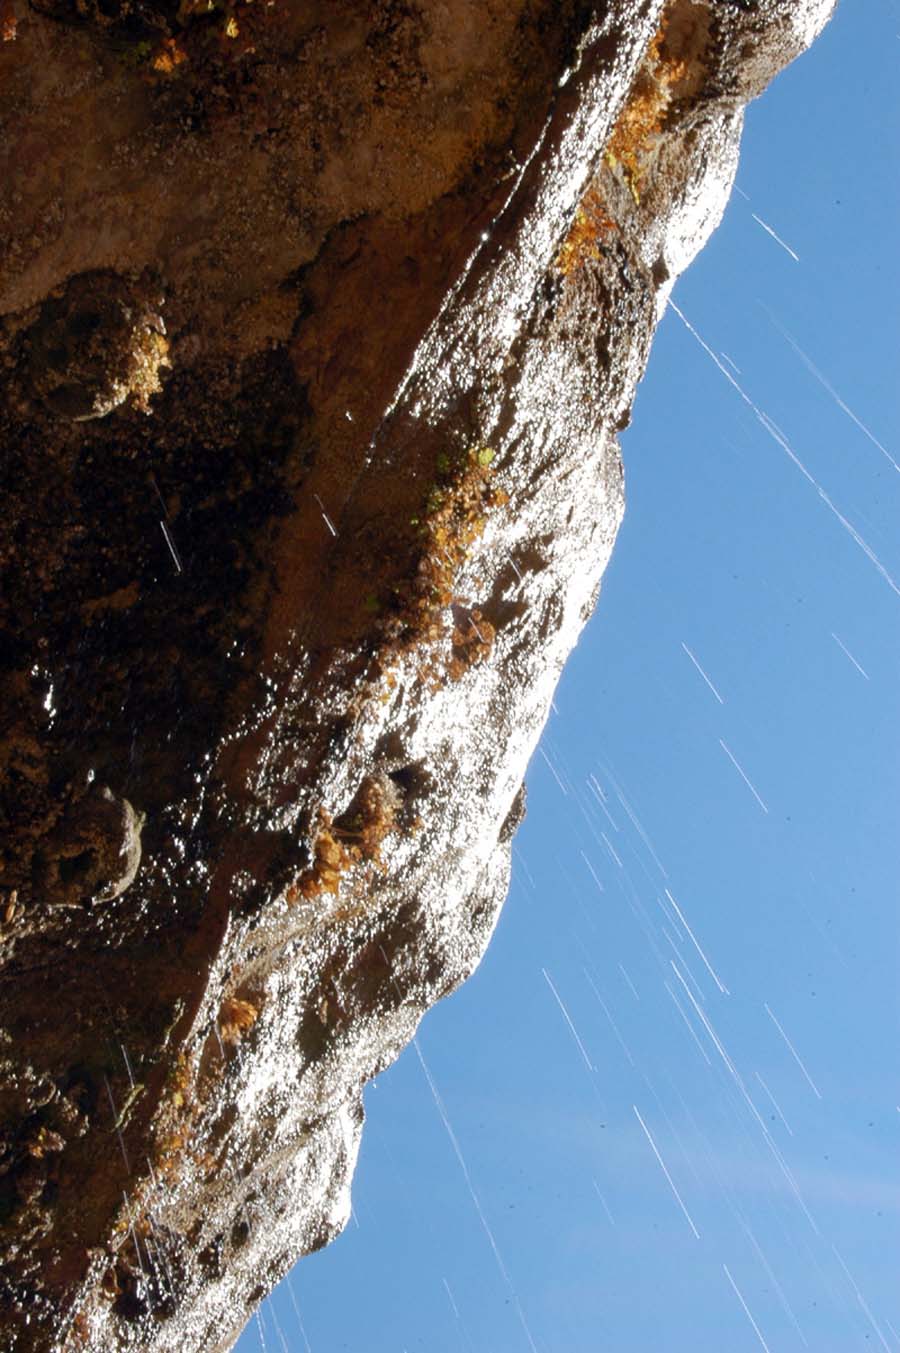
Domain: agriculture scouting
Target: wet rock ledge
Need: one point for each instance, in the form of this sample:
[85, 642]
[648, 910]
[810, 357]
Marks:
[317, 324]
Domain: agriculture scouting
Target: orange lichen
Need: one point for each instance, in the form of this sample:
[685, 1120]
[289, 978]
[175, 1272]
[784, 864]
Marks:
[8, 22]
[235, 1018]
[178, 1111]
[641, 121]
[80, 1331]
[170, 55]
[330, 860]
[45, 1143]
[473, 638]
[370, 818]
[354, 838]
[590, 225]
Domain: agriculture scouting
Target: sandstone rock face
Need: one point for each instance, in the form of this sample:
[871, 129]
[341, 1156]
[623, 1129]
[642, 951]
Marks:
[317, 325]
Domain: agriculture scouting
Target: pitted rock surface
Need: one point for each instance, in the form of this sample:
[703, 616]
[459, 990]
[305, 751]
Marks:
[317, 324]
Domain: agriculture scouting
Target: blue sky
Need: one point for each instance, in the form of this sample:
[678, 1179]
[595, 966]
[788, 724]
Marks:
[770, 1217]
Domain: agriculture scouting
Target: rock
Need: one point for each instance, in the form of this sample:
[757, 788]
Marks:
[305, 601]
[93, 345]
[94, 852]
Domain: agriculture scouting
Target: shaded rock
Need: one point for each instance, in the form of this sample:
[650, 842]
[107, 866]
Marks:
[93, 853]
[93, 346]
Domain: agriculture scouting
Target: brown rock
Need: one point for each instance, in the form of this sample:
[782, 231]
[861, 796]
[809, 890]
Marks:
[298, 603]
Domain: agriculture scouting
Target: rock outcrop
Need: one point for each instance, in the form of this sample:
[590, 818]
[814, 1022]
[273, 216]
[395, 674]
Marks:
[317, 325]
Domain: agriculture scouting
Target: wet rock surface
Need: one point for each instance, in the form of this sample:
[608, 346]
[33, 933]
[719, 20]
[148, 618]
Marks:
[315, 341]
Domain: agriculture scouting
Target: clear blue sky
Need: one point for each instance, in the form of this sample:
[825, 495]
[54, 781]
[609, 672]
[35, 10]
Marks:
[733, 558]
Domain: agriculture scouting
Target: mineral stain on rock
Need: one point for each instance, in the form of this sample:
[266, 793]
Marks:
[315, 340]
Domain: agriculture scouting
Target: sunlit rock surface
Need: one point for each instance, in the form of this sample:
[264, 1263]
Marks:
[317, 324]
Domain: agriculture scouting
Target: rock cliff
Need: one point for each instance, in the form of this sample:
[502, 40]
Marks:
[317, 322]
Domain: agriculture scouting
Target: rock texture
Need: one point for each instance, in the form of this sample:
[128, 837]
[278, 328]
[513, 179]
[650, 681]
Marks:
[317, 323]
